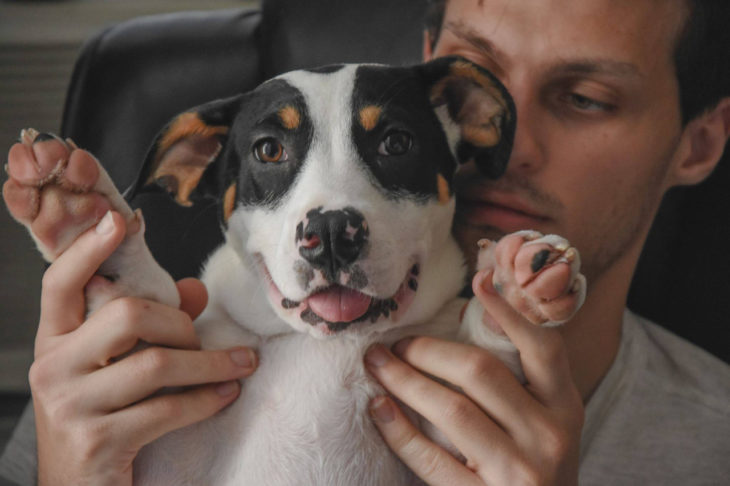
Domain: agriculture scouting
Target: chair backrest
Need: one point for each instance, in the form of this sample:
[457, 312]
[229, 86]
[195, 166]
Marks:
[131, 78]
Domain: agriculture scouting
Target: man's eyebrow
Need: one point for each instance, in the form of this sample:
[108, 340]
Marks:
[467, 34]
[608, 67]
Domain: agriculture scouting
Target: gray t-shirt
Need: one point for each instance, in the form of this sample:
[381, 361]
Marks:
[661, 416]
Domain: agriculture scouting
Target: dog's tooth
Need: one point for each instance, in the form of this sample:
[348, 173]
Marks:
[562, 246]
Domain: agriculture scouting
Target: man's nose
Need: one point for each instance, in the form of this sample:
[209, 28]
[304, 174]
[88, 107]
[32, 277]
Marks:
[332, 240]
[529, 148]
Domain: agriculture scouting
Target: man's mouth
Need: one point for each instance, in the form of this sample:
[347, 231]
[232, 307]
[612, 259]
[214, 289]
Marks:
[336, 307]
[504, 211]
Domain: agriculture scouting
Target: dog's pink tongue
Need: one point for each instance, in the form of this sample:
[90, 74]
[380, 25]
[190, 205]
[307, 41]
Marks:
[339, 304]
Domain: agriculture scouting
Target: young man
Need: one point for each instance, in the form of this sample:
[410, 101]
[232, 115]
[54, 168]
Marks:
[603, 131]
[607, 122]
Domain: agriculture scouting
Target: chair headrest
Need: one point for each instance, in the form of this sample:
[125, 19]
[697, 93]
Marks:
[296, 34]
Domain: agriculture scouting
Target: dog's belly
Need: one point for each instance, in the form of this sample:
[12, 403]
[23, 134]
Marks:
[302, 419]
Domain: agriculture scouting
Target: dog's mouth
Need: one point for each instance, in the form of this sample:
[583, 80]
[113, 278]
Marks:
[336, 307]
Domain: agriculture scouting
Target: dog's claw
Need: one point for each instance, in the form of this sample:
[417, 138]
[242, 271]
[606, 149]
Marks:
[28, 136]
[484, 243]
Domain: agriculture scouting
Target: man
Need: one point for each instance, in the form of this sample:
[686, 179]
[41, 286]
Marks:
[607, 122]
[601, 136]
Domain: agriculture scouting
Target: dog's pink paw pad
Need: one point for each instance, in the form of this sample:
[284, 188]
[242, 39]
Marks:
[50, 190]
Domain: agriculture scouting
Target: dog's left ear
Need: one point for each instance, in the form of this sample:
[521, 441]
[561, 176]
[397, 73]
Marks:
[185, 152]
[477, 113]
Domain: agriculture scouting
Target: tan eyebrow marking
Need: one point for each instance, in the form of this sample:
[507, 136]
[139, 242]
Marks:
[443, 189]
[229, 200]
[369, 116]
[290, 117]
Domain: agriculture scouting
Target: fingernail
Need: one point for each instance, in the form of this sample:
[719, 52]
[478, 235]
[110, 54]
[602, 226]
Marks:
[400, 347]
[376, 355]
[381, 410]
[245, 358]
[106, 225]
[226, 389]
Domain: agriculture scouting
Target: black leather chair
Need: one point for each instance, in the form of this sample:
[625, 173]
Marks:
[131, 78]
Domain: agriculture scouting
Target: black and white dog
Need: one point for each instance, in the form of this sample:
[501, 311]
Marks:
[335, 191]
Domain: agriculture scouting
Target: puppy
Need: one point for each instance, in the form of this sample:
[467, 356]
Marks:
[335, 194]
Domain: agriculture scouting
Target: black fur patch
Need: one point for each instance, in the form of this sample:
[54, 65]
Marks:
[406, 107]
[261, 183]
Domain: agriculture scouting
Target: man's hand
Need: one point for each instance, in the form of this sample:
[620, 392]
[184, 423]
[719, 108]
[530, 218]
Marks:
[510, 434]
[95, 402]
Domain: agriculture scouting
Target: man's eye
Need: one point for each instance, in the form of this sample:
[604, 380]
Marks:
[269, 150]
[396, 142]
[585, 103]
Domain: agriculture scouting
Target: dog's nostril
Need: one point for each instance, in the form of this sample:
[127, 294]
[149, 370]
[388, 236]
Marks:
[311, 241]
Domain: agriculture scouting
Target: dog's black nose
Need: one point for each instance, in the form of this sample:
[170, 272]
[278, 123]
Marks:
[332, 240]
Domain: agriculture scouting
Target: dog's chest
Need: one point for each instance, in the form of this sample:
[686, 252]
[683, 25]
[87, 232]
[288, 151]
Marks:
[303, 419]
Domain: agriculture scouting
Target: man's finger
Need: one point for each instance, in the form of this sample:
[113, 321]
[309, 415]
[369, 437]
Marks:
[145, 372]
[480, 374]
[193, 296]
[471, 431]
[137, 426]
[429, 461]
[542, 350]
[119, 325]
[62, 297]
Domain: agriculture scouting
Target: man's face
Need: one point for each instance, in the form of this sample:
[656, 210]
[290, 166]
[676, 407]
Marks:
[598, 118]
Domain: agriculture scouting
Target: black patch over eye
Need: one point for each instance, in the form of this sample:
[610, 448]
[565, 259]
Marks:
[269, 150]
[396, 142]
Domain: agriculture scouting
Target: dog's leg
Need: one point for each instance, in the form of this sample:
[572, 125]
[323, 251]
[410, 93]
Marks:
[538, 276]
[58, 191]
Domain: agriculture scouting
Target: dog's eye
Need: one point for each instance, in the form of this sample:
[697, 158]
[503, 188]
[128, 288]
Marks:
[269, 150]
[396, 142]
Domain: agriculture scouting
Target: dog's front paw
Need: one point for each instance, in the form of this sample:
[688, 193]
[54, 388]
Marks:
[57, 191]
[537, 274]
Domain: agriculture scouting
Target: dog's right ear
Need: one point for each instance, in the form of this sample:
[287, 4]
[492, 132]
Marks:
[475, 110]
[183, 157]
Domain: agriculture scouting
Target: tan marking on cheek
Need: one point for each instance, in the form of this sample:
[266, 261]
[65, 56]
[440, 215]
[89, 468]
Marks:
[229, 201]
[369, 117]
[290, 117]
[443, 189]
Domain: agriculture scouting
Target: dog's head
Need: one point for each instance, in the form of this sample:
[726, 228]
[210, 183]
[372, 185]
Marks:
[337, 182]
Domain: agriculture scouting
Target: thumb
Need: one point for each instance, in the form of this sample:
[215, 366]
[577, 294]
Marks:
[193, 296]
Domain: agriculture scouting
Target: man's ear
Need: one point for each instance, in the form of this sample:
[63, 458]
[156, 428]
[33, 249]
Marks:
[186, 149]
[703, 142]
[427, 46]
[475, 110]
